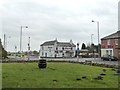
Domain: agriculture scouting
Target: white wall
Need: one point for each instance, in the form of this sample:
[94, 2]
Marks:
[47, 50]
[103, 51]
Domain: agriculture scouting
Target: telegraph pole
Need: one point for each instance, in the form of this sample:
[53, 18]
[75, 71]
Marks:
[21, 38]
[4, 40]
[29, 49]
[15, 51]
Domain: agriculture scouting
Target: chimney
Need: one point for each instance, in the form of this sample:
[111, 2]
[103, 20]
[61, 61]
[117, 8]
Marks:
[56, 39]
[71, 41]
[56, 42]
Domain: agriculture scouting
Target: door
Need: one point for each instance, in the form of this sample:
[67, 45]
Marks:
[45, 54]
[111, 53]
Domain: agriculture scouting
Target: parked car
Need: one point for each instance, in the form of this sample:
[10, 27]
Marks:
[109, 58]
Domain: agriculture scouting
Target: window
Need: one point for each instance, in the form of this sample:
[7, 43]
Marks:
[56, 48]
[42, 48]
[107, 52]
[116, 42]
[45, 54]
[63, 54]
[42, 53]
[108, 42]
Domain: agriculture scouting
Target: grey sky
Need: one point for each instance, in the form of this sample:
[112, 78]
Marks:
[61, 19]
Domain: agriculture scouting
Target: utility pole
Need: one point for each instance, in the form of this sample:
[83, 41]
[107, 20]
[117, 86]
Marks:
[29, 49]
[21, 38]
[7, 42]
[15, 51]
[4, 40]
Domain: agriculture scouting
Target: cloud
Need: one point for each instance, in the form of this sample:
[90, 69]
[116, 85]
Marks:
[62, 19]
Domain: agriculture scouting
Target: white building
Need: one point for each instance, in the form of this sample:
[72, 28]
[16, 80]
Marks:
[57, 49]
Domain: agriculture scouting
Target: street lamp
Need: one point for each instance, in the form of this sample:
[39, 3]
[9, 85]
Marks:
[92, 39]
[21, 36]
[98, 36]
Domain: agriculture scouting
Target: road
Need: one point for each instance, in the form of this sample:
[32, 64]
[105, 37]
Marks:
[94, 60]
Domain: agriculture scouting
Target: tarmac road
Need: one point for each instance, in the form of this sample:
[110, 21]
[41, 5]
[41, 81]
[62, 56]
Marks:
[94, 60]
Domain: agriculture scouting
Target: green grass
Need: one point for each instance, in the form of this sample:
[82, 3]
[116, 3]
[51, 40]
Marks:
[65, 74]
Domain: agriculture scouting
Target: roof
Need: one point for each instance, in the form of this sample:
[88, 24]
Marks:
[58, 43]
[65, 44]
[49, 43]
[112, 36]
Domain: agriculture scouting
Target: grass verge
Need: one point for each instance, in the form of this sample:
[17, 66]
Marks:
[56, 75]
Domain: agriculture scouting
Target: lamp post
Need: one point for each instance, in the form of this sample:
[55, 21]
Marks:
[98, 37]
[92, 39]
[21, 37]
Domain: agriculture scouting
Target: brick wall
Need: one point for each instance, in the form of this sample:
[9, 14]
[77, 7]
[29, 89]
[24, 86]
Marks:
[112, 45]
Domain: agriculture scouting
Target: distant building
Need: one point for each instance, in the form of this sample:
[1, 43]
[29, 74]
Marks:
[111, 45]
[34, 52]
[57, 49]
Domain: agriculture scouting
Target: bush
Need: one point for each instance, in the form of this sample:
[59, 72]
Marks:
[4, 53]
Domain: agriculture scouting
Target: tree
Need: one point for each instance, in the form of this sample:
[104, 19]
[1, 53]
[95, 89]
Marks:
[83, 46]
[35, 52]
[2, 51]
[90, 48]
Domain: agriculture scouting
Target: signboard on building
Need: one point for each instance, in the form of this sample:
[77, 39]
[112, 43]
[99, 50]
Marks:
[67, 48]
[106, 46]
[49, 47]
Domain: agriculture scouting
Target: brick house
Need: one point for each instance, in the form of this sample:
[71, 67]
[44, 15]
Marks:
[111, 45]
